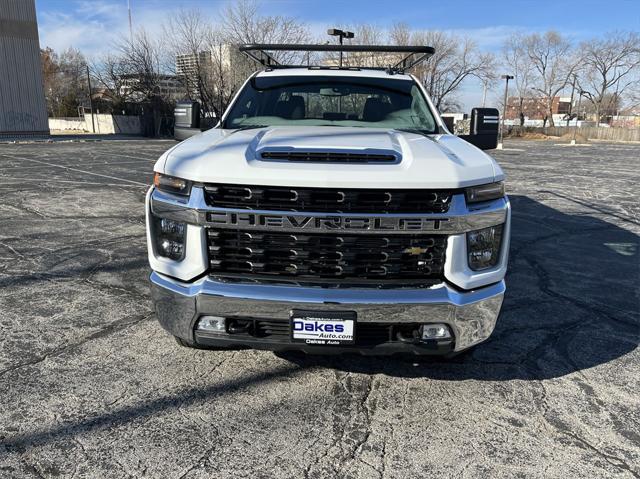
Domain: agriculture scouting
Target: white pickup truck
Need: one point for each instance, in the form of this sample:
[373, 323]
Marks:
[330, 210]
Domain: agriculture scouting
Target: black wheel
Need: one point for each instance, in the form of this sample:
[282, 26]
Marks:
[190, 344]
[460, 356]
[187, 344]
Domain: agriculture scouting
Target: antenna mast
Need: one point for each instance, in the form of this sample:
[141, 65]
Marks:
[130, 24]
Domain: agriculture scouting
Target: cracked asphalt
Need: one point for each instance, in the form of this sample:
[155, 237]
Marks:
[91, 386]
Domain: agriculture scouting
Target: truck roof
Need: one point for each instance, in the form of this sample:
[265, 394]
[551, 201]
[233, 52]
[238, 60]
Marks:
[332, 71]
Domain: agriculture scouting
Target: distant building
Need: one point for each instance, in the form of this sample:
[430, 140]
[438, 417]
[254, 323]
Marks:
[23, 108]
[169, 86]
[535, 108]
[187, 64]
[226, 56]
[206, 65]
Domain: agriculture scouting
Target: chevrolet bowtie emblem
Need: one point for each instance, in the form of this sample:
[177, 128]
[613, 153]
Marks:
[415, 250]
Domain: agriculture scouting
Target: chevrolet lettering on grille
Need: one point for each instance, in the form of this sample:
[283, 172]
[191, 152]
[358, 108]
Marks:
[297, 222]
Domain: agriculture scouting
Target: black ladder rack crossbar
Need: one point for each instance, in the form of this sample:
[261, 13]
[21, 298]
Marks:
[415, 53]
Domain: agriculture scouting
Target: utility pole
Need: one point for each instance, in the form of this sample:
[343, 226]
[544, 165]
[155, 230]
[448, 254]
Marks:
[93, 123]
[573, 88]
[504, 109]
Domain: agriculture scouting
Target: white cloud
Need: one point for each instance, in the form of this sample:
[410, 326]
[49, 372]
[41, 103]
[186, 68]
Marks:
[488, 38]
[93, 26]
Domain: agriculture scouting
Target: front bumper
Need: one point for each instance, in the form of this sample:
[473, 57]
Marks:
[471, 315]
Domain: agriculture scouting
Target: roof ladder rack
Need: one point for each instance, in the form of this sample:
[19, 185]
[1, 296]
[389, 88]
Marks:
[416, 54]
[409, 61]
[261, 57]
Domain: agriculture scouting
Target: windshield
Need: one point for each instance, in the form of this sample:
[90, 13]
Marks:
[331, 101]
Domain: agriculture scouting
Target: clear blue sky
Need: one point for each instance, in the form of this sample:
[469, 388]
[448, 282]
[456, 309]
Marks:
[89, 25]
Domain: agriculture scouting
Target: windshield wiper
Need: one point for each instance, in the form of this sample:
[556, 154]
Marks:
[417, 131]
[249, 127]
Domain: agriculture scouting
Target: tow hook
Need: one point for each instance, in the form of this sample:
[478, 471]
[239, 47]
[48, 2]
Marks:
[405, 338]
[237, 327]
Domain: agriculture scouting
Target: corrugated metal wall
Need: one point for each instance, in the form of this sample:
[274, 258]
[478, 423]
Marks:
[23, 109]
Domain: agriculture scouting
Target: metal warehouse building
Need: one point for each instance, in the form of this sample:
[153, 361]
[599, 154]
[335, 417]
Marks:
[23, 109]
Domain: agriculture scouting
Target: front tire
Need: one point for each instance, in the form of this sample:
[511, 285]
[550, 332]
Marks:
[187, 344]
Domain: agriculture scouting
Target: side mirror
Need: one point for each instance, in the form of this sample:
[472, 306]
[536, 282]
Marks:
[483, 131]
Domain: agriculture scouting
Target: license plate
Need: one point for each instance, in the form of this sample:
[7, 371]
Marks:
[323, 327]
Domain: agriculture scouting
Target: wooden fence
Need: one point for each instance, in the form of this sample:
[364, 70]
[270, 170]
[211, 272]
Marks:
[591, 133]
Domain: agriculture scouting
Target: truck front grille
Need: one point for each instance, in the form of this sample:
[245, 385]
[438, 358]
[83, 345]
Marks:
[328, 257]
[336, 200]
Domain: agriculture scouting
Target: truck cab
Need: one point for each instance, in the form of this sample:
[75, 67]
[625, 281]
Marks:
[330, 210]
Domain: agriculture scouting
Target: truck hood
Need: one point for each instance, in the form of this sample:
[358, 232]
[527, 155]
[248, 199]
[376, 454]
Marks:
[234, 156]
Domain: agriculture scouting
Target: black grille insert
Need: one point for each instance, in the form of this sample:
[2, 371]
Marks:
[367, 334]
[327, 157]
[414, 259]
[338, 200]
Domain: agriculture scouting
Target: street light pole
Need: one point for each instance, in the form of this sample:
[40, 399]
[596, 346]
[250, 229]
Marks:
[93, 124]
[573, 89]
[504, 109]
[484, 93]
[575, 128]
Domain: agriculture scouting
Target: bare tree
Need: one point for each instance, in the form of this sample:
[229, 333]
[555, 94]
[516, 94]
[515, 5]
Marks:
[521, 67]
[140, 62]
[133, 77]
[400, 34]
[110, 73]
[609, 106]
[633, 98]
[554, 62]
[192, 44]
[65, 81]
[206, 54]
[611, 66]
[456, 59]
[242, 22]
[364, 34]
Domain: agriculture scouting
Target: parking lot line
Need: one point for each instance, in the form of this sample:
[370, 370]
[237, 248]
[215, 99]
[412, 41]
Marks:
[46, 163]
[96, 163]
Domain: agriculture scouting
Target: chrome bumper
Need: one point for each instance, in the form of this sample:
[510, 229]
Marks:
[471, 315]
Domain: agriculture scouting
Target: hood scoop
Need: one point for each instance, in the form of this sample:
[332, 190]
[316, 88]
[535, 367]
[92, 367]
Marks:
[327, 144]
[315, 156]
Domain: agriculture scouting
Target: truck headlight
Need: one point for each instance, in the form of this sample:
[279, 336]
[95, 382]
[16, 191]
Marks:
[170, 238]
[483, 247]
[171, 184]
[490, 191]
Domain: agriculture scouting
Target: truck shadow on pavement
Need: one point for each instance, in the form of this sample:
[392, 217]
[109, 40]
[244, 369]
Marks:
[571, 303]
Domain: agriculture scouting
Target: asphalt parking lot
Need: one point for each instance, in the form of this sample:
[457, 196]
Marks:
[91, 386]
